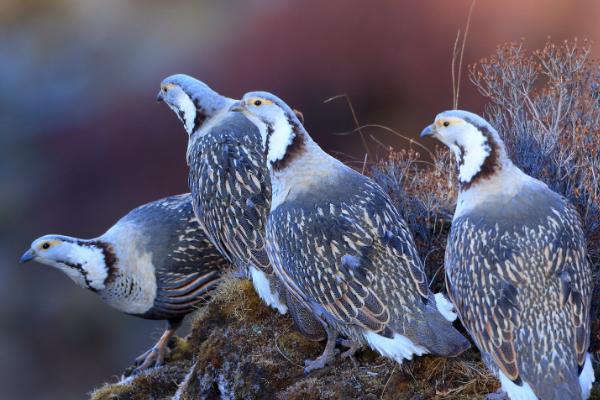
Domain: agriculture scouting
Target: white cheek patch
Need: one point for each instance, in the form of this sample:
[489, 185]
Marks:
[92, 262]
[475, 150]
[280, 140]
[186, 111]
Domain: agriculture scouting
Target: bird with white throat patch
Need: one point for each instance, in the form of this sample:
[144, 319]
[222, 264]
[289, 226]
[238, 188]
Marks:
[230, 187]
[516, 267]
[340, 247]
[154, 263]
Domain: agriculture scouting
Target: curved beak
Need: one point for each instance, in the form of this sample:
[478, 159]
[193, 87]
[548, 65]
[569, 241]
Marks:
[428, 131]
[159, 96]
[238, 106]
[27, 256]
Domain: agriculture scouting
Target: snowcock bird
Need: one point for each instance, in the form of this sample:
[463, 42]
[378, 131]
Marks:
[230, 186]
[155, 263]
[342, 249]
[516, 267]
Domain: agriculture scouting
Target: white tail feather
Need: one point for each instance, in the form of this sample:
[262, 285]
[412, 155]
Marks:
[514, 391]
[445, 307]
[586, 378]
[263, 288]
[399, 348]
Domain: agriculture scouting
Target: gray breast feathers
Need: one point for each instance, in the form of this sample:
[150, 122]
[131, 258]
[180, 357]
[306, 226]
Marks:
[187, 266]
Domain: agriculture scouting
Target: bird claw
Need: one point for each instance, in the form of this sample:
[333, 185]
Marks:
[320, 362]
[153, 357]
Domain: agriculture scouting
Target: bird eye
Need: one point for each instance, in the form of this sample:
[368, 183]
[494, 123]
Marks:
[446, 123]
[257, 102]
[164, 89]
[45, 245]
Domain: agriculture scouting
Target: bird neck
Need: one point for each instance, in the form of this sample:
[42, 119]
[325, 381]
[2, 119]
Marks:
[305, 167]
[196, 108]
[480, 159]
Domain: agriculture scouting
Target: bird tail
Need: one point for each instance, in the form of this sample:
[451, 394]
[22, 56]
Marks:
[565, 390]
[443, 339]
[435, 331]
[570, 386]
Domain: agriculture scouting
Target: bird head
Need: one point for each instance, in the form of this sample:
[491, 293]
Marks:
[85, 262]
[192, 100]
[278, 123]
[477, 146]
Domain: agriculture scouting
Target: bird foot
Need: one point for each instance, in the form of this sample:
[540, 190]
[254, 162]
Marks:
[324, 359]
[155, 357]
[156, 354]
[497, 395]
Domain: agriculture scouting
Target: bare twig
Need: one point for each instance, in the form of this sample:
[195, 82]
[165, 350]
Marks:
[358, 127]
[462, 52]
[453, 67]
[364, 164]
[412, 141]
[388, 381]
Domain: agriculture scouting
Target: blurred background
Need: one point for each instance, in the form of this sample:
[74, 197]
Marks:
[82, 140]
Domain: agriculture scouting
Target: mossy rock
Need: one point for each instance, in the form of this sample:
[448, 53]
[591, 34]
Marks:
[241, 349]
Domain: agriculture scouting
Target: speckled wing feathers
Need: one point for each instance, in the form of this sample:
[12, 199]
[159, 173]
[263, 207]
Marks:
[357, 245]
[517, 284]
[188, 266]
[231, 188]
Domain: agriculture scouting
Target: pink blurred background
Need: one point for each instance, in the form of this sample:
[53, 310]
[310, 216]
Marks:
[82, 140]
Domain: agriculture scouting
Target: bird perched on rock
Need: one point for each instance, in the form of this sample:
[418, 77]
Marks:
[516, 267]
[230, 185]
[340, 247]
[155, 263]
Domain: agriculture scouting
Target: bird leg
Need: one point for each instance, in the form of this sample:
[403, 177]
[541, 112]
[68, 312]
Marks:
[352, 346]
[328, 354]
[158, 352]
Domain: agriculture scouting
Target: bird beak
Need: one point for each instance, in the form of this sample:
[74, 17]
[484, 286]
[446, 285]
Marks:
[238, 106]
[27, 256]
[159, 97]
[428, 131]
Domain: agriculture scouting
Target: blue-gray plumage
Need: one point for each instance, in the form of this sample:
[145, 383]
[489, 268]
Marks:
[340, 247]
[230, 184]
[155, 263]
[516, 267]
